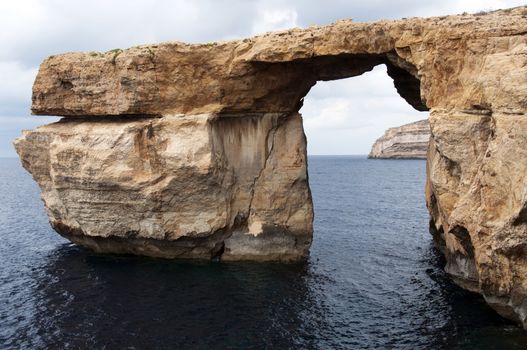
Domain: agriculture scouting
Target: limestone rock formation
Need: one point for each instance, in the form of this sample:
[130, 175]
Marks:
[198, 151]
[409, 141]
[181, 186]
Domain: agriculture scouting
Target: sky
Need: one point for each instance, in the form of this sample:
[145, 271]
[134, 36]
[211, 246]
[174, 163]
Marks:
[340, 117]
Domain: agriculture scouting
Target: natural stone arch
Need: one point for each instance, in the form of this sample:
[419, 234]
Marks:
[180, 150]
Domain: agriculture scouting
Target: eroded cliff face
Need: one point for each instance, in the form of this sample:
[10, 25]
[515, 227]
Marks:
[181, 150]
[180, 186]
[409, 141]
[476, 192]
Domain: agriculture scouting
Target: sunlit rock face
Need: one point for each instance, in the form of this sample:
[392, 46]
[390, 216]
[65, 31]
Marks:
[180, 186]
[409, 141]
[180, 150]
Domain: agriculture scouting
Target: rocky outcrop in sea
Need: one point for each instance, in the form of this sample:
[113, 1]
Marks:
[409, 141]
[198, 151]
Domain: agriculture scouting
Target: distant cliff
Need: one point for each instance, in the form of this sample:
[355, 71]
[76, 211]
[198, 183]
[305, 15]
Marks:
[408, 141]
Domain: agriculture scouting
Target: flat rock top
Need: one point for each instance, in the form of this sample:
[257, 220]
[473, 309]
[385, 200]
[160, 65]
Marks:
[274, 71]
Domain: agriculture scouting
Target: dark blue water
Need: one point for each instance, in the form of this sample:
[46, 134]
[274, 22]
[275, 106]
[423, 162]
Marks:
[373, 280]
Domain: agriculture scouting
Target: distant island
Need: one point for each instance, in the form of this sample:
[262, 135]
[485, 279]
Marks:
[409, 141]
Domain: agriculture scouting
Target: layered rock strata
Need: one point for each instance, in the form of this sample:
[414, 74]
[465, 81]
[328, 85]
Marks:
[180, 150]
[409, 141]
[180, 186]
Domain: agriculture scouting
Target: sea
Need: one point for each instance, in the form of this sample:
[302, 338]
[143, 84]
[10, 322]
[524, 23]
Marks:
[373, 280]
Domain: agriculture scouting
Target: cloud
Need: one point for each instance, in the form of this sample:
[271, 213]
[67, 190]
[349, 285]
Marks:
[15, 90]
[316, 12]
[274, 19]
[32, 30]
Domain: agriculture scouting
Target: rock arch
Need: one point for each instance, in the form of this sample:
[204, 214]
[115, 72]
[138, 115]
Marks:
[180, 150]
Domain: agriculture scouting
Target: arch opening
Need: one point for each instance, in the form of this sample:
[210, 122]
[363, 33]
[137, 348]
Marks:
[346, 116]
[404, 74]
[279, 86]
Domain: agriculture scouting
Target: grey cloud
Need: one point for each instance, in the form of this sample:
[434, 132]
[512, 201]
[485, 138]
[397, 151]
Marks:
[320, 13]
[103, 25]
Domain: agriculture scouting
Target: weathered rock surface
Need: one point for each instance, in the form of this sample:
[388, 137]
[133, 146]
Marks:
[190, 150]
[409, 141]
[194, 186]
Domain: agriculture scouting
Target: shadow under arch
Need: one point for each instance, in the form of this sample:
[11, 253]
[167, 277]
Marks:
[284, 84]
